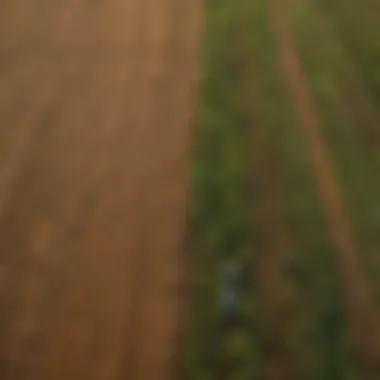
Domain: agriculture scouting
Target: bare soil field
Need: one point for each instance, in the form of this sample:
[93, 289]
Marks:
[96, 100]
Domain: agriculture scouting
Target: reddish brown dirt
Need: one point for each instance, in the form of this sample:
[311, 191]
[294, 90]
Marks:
[361, 310]
[95, 107]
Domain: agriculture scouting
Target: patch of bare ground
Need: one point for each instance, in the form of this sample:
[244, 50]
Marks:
[95, 148]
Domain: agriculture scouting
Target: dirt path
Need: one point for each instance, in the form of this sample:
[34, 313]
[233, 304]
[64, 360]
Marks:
[360, 307]
[95, 108]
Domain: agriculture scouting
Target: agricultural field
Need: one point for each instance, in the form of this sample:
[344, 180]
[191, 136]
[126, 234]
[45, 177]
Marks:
[96, 99]
[188, 200]
[285, 184]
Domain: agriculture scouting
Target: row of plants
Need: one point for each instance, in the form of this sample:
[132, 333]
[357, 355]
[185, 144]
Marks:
[348, 110]
[348, 115]
[242, 89]
[221, 204]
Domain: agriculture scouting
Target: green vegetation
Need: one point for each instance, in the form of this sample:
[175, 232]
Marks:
[317, 329]
[348, 108]
[243, 89]
[221, 212]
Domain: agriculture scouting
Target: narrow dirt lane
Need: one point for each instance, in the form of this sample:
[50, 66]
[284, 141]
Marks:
[95, 119]
[360, 307]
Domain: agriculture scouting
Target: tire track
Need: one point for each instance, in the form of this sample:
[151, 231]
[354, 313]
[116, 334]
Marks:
[361, 310]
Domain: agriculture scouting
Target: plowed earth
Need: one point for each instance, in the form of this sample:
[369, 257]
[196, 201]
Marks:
[96, 100]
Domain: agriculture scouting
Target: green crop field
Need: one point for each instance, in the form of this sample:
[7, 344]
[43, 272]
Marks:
[254, 191]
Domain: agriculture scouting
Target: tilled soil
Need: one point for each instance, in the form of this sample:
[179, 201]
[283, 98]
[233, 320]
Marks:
[96, 100]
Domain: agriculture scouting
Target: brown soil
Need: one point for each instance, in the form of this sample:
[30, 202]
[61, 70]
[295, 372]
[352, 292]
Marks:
[95, 107]
[361, 310]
